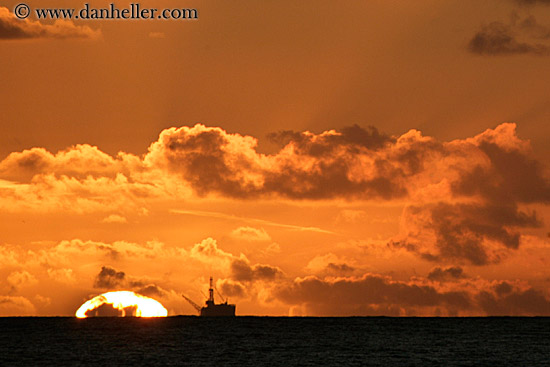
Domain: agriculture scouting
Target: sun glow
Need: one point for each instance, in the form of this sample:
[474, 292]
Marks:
[121, 303]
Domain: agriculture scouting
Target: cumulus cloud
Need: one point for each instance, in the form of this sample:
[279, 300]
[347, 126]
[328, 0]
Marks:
[242, 271]
[80, 178]
[374, 294]
[478, 215]
[529, 302]
[207, 251]
[324, 144]
[232, 288]
[467, 200]
[310, 166]
[110, 279]
[369, 295]
[16, 306]
[475, 233]
[240, 274]
[62, 275]
[12, 28]
[21, 278]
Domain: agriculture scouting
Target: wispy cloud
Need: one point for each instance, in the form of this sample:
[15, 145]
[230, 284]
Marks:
[208, 214]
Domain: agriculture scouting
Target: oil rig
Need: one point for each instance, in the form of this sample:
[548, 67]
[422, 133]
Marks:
[211, 308]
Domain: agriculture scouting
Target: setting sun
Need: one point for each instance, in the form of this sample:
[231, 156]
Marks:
[121, 303]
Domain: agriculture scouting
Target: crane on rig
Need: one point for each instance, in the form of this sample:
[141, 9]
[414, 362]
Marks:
[211, 308]
[197, 307]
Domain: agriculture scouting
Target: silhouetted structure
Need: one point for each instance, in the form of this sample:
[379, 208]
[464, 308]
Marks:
[211, 308]
[108, 310]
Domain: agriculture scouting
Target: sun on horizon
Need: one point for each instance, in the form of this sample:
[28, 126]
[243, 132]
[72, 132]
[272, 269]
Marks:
[121, 304]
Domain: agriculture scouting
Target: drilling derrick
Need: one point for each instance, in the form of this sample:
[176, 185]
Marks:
[211, 308]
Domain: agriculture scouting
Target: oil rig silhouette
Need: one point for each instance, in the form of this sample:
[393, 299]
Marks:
[211, 308]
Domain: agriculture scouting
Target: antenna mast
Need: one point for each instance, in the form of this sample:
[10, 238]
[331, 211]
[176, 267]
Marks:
[211, 291]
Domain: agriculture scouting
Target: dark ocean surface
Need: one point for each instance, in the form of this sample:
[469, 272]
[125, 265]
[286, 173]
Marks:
[274, 341]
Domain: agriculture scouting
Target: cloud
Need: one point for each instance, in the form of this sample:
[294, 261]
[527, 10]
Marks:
[514, 38]
[329, 264]
[310, 166]
[201, 213]
[12, 28]
[369, 295]
[109, 278]
[451, 273]
[232, 288]
[59, 259]
[251, 234]
[352, 215]
[239, 267]
[467, 231]
[325, 143]
[16, 306]
[207, 251]
[533, 2]
[80, 178]
[21, 278]
[467, 200]
[528, 302]
[242, 271]
[114, 218]
[478, 214]
[62, 275]
[79, 161]
[375, 294]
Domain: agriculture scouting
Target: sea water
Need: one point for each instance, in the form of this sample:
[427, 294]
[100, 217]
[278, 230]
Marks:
[274, 341]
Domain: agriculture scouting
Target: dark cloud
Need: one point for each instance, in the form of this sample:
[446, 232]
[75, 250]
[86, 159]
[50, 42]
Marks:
[320, 145]
[368, 296]
[375, 295]
[331, 179]
[109, 278]
[466, 200]
[488, 196]
[230, 288]
[519, 36]
[242, 271]
[528, 302]
[150, 290]
[351, 163]
[339, 268]
[532, 2]
[512, 176]
[12, 28]
[462, 230]
[503, 288]
[446, 274]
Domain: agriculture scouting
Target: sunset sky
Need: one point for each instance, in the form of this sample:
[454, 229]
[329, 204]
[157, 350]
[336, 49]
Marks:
[315, 157]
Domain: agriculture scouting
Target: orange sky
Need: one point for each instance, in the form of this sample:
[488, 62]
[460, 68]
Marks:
[383, 157]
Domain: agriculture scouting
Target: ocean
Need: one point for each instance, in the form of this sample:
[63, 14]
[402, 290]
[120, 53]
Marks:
[274, 341]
